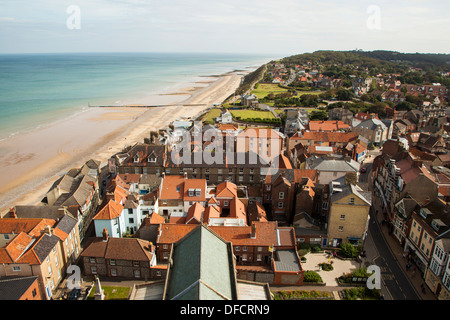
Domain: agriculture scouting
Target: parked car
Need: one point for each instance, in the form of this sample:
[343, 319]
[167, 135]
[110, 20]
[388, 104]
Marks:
[74, 294]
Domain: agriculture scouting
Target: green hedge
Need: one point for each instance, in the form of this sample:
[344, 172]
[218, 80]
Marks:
[311, 276]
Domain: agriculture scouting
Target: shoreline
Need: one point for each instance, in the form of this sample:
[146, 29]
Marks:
[30, 168]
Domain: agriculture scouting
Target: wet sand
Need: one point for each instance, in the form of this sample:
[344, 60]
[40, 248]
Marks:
[30, 163]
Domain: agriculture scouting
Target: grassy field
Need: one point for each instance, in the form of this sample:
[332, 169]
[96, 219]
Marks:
[213, 113]
[263, 89]
[248, 114]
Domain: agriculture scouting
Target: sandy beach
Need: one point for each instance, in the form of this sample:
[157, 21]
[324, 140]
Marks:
[30, 163]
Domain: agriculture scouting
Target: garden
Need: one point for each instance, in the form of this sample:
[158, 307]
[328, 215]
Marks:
[302, 295]
[112, 293]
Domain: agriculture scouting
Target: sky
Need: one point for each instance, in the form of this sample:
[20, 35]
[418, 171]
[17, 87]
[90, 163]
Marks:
[280, 27]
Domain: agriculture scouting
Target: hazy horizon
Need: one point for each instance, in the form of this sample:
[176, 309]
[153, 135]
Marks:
[278, 28]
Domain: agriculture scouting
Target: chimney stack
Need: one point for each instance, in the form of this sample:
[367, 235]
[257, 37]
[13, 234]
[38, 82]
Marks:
[253, 232]
[12, 213]
[105, 234]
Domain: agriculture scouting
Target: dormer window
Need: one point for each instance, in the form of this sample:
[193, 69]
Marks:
[191, 192]
[198, 192]
[136, 159]
[152, 159]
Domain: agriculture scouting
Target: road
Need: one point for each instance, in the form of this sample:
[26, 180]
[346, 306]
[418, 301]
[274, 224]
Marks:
[394, 284]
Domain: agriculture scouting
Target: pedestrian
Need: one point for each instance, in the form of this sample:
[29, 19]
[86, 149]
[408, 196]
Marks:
[404, 255]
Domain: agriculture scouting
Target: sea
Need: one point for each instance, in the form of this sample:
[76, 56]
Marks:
[37, 90]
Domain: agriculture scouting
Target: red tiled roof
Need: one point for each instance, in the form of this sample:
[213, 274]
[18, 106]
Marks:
[195, 184]
[171, 232]
[31, 226]
[195, 213]
[237, 209]
[211, 212]
[111, 211]
[226, 190]
[172, 187]
[265, 234]
[332, 125]
[155, 218]
[326, 136]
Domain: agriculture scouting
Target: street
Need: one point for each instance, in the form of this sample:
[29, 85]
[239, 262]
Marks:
[394, 284]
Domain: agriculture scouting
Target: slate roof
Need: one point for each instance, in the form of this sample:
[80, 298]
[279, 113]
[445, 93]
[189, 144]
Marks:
[287, 260]
[13, 288]
[372, 124]
[203, 268]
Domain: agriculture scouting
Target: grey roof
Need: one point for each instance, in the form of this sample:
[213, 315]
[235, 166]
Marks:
[66, 224]
[351, 189]
[202, 268]
[444, 243]
[287, 261]
[45, 212]
[371, 124]
[328, 164]
[45, 245]
[13, 288]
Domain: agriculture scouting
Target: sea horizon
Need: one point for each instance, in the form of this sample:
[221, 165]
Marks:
[40, 89]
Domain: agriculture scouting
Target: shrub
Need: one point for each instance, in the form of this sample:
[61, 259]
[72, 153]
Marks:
[348, 250]
[326, 266]
[311, 276]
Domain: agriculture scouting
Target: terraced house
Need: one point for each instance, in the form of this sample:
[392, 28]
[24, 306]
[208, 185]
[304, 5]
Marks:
[428, 224]
[142, 159]
[39, 247]
[437, 275]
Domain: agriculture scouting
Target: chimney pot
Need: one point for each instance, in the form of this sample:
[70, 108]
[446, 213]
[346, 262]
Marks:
[105, 234]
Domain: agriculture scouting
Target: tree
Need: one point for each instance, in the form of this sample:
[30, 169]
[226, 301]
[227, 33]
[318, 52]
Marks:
[348, 250]
[378, 108]
[344, 94]
[318, 115]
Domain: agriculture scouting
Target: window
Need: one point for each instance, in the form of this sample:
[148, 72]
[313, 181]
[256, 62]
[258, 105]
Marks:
[56, 261]
[16, 268]
[92, 260]
[352, 201]
[6, 236]
[113, 273]
[259, 248]
[237, 248]
[325, 205]
[225, 203]
[93, 270]
[258, 257]
[244, 248]
[50, 270]
[137, 273]
[131, 220]
[342, 216]
[341, 228]
[112, 262]
[281, 195]
[280, 205]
